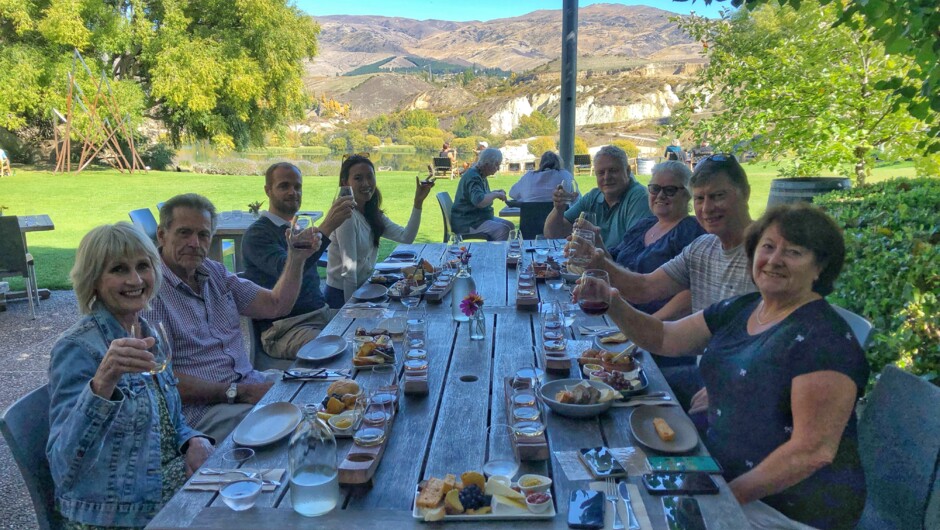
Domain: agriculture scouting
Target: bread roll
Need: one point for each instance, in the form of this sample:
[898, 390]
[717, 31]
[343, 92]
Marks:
[663, 430]
[343, 386]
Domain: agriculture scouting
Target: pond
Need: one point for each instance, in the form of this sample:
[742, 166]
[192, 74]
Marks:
[192, 154]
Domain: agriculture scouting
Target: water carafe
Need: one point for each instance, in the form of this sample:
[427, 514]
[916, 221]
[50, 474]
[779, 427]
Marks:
[314, 480]
[463, 285]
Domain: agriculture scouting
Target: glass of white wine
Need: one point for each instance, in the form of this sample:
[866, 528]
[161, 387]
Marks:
[162, 349]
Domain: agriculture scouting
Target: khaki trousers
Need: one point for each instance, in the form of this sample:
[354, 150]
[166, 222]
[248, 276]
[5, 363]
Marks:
[286, 336]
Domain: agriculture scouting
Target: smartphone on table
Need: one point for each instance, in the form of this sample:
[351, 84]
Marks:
[586, 509]
[683, 513]
[670, 483]
[602, 463]
[704, 464]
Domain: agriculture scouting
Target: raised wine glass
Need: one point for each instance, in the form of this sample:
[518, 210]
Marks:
[594, 294]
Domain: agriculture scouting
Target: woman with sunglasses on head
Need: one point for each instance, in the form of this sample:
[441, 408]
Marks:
[355, 244]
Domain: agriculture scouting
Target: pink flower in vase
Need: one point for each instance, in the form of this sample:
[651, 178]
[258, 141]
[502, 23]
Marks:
[472, 303]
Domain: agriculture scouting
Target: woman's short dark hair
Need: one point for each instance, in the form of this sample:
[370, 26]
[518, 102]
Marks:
[373, 209]
[808, 226]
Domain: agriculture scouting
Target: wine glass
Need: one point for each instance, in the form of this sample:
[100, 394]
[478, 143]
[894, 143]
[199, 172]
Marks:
[571, 188]
[410, 294]
[346, 191]
[594, 294]
[454, 243]
[162, 349]
[374, 427]
[298, 224]
[501, 459]
[581, 248]
[541, 249]
[514, 244]
[584, 219]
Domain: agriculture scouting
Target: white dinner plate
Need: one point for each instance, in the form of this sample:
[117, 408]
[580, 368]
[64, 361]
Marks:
[267, 425]
[393, 266]
[370, 291]
[322, 348]
[641, 424]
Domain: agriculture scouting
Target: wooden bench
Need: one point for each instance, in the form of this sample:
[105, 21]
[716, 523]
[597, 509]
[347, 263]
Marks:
[582, 163]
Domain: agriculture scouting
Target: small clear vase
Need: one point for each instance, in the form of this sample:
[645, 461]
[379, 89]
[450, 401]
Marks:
[478, 325]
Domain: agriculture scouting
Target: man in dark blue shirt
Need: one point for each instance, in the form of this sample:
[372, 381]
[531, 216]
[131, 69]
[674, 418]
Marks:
[265, 252]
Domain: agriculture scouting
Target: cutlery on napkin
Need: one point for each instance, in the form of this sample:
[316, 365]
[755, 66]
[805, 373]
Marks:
[595, 330]
[214, 482]
[314, 374]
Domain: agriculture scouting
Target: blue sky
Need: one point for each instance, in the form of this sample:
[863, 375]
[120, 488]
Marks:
[463, 10]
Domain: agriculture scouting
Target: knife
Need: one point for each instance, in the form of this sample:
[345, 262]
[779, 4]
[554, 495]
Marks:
[625, 495]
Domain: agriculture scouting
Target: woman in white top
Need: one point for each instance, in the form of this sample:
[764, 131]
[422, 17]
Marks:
[538, 185]
[355, 244]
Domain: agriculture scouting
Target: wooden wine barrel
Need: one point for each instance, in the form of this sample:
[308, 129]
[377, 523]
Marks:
[788, 190]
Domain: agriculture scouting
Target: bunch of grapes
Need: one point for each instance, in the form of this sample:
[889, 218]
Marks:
[618, 381]
[472, 498]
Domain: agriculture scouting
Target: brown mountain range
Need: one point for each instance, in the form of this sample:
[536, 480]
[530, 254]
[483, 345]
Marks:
[518, 43]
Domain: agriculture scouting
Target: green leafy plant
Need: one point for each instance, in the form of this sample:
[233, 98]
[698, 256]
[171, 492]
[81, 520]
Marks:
[255, 207]
[892, 271]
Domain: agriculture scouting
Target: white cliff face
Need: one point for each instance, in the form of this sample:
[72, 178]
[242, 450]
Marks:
[650, 106]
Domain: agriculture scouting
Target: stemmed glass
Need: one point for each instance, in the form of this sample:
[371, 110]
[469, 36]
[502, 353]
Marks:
[162, 349]
[410, 294]
[594, 293]
[501, 459]
[454, 244]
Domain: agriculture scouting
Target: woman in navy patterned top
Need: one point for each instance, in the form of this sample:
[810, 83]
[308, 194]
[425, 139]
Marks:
[784, 372]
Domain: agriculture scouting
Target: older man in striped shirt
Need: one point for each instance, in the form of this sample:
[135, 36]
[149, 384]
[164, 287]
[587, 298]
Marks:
[200, 302]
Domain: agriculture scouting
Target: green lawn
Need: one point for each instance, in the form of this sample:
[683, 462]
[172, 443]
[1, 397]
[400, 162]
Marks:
[80, 202]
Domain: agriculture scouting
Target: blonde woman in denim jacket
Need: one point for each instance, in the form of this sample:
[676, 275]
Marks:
[118, 445]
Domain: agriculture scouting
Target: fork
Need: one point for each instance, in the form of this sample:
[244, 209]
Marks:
[610, 493]
[211, 472]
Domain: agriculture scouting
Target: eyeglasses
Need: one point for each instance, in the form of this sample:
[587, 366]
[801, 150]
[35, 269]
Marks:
[363, 155]
[717, 157]
[669, 191]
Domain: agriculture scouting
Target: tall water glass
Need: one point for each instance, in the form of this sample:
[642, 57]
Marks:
[581, 248]
[501, 459]
[541, 249]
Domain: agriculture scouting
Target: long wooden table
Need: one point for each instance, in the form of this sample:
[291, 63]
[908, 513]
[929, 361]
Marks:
[444, 431]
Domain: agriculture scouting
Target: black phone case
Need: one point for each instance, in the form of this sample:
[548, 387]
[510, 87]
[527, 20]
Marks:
[616, 471]
[709, 486]
[586, 510]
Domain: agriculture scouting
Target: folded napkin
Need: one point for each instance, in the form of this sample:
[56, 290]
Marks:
[636, 501]
[367, 312]
[215, 482]
[633, 459]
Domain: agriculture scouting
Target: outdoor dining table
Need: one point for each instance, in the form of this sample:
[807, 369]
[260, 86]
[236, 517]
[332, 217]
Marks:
[232, 226]
[29, 223]
[444, 432]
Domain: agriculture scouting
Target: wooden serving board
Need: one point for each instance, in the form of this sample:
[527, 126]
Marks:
[435, 294]
[528, 448]
[512, 262]
[361, 462]
[557, 365]
[527, 302]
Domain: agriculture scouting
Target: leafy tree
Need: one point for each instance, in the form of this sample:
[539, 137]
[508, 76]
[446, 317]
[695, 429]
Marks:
[226, 71]
[338, 144]
[417, 118]
[580, 146]
[379, 126]
[789, 83]
[628, 147]
[908, 27]
[541, 144]
[535, 124]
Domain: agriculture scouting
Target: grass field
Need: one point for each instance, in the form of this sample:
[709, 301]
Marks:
[78, 203]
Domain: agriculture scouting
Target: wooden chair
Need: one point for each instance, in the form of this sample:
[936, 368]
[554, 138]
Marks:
[443, 198]
[443, 166]
[582, 163]
[899, 445]
[25, 426]
[15, 260]
[532, 217]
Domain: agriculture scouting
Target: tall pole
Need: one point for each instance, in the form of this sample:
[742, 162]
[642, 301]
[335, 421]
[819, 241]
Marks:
[569, 80]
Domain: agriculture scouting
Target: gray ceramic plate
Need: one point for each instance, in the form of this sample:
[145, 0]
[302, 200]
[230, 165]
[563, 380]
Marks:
[370, 291]
[641, 424]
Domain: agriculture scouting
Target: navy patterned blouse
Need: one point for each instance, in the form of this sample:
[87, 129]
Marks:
[749, 380]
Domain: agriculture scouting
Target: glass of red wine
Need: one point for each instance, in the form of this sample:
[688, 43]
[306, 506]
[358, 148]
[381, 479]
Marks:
[594, 292]
[298, 224]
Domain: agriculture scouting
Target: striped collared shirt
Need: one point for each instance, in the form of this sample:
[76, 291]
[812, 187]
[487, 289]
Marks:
[204, 327]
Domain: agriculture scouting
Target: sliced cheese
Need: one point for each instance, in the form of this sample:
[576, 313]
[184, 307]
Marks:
[434, 515]
[494, 487]
[513, 503]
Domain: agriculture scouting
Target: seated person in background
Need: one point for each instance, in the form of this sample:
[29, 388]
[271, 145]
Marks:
[265, 255]
[199, 303]
[538, 185]
[448, 152]
[784, 372]
[654, 240]
[104, 404]
[617, 202]
[473, 203]
[355, 247]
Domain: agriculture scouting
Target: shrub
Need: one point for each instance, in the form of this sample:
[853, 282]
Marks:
[230, 166]
[465, 147]
[580, 146]
[629, 147]
[892, 272]
[541, 144]
[158, 156]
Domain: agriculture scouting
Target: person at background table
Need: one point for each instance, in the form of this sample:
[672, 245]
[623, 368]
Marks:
[784, 372]
[264, 248]
[199, 303]
[712, 268]
[356, 242]
[617, 202]
[654, 240]
[448, 152]
[472, 212]
[538, 185]
[118, 445]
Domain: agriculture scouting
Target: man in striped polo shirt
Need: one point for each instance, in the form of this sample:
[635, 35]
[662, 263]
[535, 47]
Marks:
[200, 302]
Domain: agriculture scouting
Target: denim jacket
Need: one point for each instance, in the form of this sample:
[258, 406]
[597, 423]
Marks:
[104, 454]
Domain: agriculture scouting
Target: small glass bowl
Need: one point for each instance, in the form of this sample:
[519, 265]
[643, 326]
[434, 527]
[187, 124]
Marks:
[523, 398]
[416, 353]
[528, 429]
[241, 494]
[237, 456]
[526, 413]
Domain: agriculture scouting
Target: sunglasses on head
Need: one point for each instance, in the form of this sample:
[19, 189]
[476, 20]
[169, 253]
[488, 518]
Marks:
[347, 155]
[717, 157]
[669, 191]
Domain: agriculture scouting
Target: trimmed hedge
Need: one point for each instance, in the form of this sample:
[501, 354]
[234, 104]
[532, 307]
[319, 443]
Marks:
[892, 269]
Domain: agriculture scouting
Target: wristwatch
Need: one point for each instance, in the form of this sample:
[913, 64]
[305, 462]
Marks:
[232, 393]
